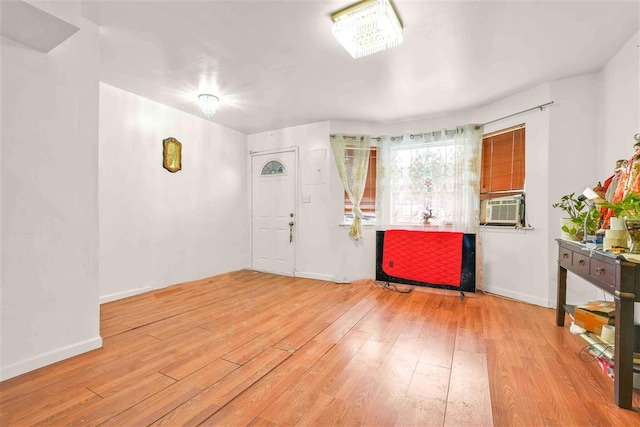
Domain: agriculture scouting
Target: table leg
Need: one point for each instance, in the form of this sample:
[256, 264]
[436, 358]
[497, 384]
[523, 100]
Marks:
[562, 295]
[623, 353]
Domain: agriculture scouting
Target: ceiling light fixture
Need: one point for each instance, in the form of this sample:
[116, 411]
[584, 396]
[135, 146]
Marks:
[208, 104]
[367, 27]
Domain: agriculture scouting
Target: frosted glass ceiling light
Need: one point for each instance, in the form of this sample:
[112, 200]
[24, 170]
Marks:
[367, 27]
[208, 104]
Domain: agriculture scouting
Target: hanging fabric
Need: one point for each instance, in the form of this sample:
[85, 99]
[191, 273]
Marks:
[351, 153]
[430, 178]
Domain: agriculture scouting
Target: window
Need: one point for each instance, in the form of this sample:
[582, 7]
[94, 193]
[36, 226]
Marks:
[368, 203]
[436, 175]
[273, 167]
[503, 163]
[422, 181]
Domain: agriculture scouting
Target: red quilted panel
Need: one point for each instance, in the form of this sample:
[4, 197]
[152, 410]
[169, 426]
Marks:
[434, 257]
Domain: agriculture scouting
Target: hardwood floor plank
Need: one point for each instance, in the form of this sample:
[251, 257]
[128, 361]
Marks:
[249, 348]
[167, 400]
[41, 410]
[251, 403]
[270, 333]
[260, 422]
[97, 412]
[425, 401]
[468, 401]
[323, 374]
[209, 401]
[323, 412]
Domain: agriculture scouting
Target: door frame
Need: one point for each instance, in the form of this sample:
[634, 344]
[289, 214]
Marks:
[296, 185]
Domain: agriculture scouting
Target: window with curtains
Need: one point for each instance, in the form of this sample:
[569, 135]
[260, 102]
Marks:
[429, 178]
[503, 163]
[368, 203]
[421, 181]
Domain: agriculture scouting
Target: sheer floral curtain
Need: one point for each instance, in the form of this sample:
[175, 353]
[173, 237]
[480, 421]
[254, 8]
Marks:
[351, 153]
[432, 176]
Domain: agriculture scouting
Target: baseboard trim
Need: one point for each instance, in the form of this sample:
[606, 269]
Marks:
[49, 358]
[125, 294]
[517, 296]
[316, 276]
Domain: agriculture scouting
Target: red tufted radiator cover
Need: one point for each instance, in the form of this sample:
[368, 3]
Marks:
[433, 257]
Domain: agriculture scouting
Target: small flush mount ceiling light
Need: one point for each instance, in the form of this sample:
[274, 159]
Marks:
[208, 104]
[367, 27]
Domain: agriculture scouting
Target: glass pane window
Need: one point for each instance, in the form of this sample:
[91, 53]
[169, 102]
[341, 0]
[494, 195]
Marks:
[421, 179]
[273, 167]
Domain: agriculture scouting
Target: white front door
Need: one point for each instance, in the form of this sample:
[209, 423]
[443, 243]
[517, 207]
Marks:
[273, 215]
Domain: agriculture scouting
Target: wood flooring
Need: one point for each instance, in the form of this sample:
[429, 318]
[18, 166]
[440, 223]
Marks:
[249, 348]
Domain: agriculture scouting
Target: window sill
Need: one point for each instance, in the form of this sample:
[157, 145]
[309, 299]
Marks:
[364, 224]
[505, 228]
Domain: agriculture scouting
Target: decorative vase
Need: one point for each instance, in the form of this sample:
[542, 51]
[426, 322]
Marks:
[633, 227]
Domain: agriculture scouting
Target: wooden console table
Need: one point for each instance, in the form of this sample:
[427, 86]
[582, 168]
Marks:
[618, 277]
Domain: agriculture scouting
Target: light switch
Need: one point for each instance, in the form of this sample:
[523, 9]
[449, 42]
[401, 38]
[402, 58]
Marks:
[306, 198]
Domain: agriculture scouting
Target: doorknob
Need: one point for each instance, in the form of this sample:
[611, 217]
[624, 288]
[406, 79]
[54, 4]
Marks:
[291, 231]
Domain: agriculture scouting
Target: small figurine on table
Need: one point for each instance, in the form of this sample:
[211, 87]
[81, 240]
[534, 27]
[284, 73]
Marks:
[426, 216]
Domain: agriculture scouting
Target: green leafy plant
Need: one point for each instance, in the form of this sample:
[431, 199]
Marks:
[572, 206]
[575, 210]
[592, 218]
[627, 207]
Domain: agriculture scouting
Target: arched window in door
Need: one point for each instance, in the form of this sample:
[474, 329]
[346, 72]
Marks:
[273, 167]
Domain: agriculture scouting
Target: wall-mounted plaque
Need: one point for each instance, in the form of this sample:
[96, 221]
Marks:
[171, 154]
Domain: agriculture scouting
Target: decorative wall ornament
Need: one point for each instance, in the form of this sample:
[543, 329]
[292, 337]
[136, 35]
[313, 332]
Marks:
[172, 154]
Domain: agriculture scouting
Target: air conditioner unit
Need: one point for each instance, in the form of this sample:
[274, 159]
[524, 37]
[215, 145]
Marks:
[505, 210]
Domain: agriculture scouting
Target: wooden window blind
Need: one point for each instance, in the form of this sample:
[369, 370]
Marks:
[503, 163]
[368, 203]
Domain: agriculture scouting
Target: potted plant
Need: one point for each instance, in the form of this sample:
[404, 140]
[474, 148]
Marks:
[573, 224]
[629, 209]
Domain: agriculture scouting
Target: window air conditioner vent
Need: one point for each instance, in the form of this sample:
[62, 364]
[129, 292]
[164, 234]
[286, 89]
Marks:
[503, 211]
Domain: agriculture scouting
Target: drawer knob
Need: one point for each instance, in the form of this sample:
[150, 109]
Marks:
[565, 256]
[599, 271]
[580, 262]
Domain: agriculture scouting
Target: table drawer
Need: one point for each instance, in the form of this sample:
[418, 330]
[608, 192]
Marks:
[580, 263]
[565, 257]
[603, 271]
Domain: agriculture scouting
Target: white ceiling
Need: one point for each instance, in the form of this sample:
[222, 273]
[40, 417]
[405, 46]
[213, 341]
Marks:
[276, 64]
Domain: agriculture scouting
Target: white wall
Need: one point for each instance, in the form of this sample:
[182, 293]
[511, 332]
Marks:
[513, 261]
[561, 147]
[324, 249]
[49, 233]
[314, 225]
[159, 228]
[619, 114]
[564, 154]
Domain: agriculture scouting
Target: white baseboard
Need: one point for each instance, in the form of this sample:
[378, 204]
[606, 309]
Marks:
[124, 294]
[316, 276]
[517, 296]
[48, 358]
